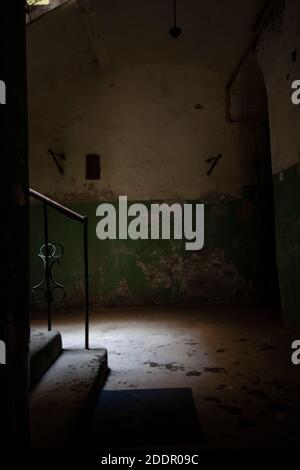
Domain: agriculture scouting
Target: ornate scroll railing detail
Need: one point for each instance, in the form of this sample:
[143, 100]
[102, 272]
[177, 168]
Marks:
[56, 292]
[51, 256]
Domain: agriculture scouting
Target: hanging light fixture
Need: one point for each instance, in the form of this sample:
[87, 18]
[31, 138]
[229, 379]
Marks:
[175, 31]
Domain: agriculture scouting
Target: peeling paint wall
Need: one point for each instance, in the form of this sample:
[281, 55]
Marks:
[279, 55]
[154, 126]
[132, 272]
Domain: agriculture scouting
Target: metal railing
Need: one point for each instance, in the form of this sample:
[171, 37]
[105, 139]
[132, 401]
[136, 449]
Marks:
[84, 221]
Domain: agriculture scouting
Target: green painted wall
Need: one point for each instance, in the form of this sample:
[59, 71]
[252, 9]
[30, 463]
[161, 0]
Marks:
[287, 210]
[276, 53]
[127, 272]
[155, 123]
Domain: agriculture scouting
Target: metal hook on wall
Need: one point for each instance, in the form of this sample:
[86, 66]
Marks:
[58, 158]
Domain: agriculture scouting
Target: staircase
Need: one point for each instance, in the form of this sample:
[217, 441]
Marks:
[64, 386]
[64, 383]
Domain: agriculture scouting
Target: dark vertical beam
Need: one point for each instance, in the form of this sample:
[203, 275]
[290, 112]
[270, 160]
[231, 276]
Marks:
[14, 314]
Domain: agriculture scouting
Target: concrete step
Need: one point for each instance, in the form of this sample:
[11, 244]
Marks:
[45, 348]
[62, 402]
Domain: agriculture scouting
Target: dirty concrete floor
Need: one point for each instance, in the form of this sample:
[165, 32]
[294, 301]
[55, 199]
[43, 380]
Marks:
[236, 360]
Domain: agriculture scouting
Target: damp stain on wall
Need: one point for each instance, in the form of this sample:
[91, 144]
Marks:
[132, 272]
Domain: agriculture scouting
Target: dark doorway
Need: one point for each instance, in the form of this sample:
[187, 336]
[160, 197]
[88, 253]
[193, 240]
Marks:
[270, 282]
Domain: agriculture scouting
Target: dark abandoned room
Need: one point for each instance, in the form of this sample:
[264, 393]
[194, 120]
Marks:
[154, 199]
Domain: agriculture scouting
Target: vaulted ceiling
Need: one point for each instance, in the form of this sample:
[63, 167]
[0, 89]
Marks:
[214, 32]
[130, 32]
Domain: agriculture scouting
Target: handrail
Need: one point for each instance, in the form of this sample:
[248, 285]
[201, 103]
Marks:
[56, 205]
[84, 221]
